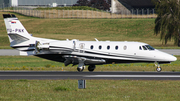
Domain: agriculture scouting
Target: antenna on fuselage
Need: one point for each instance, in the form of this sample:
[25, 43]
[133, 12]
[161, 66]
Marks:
[96, 39]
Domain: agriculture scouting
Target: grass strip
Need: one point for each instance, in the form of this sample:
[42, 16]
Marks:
[66, 90]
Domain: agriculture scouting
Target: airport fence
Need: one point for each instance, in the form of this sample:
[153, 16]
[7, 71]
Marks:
[29, 11]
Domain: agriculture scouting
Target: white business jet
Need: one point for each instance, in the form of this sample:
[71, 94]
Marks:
[82, 53]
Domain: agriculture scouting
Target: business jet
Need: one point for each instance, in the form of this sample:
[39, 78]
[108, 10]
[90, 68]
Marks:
[82, 53]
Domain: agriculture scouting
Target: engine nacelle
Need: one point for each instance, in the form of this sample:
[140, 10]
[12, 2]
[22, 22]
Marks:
[55, 46]
[61, 46]
[39, 46]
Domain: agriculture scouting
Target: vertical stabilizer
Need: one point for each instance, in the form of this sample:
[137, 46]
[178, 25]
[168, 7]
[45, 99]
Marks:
[15, 30]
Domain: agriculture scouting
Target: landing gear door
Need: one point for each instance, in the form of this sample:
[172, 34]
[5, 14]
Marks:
[74, 45]
[81, 47]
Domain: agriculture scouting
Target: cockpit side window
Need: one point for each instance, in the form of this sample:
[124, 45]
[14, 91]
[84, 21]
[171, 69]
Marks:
[140, 48]
[144, 48]
[149, 47]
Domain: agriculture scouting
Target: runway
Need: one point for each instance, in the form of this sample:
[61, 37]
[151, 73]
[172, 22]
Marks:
[58, 75]
[9, 52]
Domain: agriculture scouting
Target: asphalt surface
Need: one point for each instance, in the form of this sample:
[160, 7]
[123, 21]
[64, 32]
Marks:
[47, 75]
[171, 51]
[13, 52]
[9, 52]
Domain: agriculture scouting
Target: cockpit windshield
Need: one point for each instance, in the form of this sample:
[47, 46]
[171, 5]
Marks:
[149, 47]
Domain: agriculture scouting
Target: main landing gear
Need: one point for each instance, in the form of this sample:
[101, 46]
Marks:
[81, 66]
[158, 69]
[91, 68]
[80, 69]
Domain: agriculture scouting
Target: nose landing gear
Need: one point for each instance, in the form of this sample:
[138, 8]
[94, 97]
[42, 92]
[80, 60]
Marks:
[158, 69]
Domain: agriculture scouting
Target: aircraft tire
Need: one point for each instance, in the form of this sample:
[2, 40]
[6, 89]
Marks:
[159, 69]
[80, 70]
[91, 68]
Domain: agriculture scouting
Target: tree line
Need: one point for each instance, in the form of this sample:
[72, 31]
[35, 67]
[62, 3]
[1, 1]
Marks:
[99, 4]
[167, 23]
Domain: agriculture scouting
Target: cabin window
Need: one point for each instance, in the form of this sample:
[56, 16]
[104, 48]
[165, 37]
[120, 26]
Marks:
[144, 48]
[92, 47]
[108, 47]
[116, 47]
[125, 47]
[100, 47]
[140, 48]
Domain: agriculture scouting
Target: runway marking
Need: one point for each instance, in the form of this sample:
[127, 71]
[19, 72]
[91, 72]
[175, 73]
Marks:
[135, 76]
[102, 76]
[40, 75]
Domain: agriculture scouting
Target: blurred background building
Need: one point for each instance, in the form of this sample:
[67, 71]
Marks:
[53, 3]
[119, 6]
[114, 6]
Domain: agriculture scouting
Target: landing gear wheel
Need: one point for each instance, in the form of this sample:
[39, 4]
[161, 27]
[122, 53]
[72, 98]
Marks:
[80, 69]
[159, 69]
[91, 68]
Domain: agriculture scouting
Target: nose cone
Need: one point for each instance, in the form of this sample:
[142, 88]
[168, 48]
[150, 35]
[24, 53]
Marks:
[169, 57]
[172, 58]
[165, 57]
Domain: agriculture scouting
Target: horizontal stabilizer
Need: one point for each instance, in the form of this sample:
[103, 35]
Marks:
[9, 16]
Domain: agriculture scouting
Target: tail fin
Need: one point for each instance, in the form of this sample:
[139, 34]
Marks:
[15, 30]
